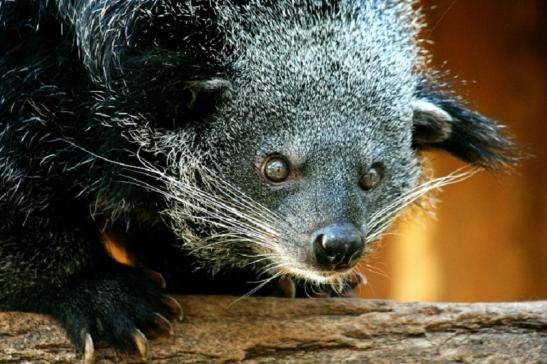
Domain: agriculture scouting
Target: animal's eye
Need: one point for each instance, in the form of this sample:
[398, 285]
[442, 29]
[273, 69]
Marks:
[372, 177]
[276, 169]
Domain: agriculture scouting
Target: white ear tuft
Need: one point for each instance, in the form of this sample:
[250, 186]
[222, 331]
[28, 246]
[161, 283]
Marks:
[431, 123]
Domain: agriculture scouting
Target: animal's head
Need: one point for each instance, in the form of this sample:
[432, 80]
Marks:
[301, 130]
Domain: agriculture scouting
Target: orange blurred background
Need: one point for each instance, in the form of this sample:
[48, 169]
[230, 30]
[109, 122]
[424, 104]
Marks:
[489, 241]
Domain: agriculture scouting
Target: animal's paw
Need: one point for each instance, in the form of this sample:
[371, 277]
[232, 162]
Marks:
[121, 308]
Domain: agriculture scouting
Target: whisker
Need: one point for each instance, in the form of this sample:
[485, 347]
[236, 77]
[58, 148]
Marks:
[382, 219]
[255, 289]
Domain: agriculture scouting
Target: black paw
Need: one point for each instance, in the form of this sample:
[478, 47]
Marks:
[122, 308]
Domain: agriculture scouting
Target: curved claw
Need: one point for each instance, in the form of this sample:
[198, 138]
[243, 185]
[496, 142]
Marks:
[160, 327]
[155, 277]
[164, 324]
[353, 281]
[357, 278]
[173, 306]
[141, 344]
[287, 287]
[89, 350]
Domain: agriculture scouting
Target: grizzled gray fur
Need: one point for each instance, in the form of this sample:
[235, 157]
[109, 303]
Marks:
[222, 143]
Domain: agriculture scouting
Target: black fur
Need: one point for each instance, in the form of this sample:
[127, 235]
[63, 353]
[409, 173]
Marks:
[51, 254]
[473, 137]
[83, 83]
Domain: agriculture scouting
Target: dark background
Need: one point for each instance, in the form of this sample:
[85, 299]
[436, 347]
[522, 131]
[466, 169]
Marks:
[489, 241]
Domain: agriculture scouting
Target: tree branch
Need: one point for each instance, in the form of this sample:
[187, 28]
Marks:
[266, 330]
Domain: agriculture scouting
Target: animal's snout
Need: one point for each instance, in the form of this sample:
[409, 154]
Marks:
[337, 246]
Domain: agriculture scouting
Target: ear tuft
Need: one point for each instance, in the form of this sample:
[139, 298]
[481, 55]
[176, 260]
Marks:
[443, 122]
[431, 123]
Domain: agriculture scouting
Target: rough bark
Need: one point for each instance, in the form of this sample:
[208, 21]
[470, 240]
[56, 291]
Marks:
[274, 330]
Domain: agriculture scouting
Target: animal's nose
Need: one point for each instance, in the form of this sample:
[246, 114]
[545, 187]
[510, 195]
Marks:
[337, 246]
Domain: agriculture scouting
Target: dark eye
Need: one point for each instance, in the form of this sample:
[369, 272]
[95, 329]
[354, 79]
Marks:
[276, 169]
[372, 177]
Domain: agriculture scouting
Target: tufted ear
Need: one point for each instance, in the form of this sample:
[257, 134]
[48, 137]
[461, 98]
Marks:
[442, 122]
[202, 95]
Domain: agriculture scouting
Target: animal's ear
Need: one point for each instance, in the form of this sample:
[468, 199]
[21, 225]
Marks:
[201, 96]
[189, 101]
[442, 122]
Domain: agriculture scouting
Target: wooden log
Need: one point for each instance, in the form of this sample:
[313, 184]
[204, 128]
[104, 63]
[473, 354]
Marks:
[268, 330]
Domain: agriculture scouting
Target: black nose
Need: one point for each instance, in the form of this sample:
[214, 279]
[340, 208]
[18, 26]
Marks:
[337, 246]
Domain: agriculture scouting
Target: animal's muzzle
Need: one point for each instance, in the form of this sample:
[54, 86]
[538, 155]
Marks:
[337, 247]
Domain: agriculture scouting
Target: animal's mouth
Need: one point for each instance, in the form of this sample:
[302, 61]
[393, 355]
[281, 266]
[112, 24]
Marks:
[324, 284]
[309, 270]
[317, 276]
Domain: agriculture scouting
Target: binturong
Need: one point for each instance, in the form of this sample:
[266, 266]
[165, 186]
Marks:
[230, 147]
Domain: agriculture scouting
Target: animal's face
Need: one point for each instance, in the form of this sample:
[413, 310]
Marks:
[320, 132]
[327, 184]
[317, 131]
[312, 149]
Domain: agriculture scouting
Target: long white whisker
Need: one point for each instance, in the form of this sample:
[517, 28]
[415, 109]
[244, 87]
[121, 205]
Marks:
[265, 282]
[381, 219]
